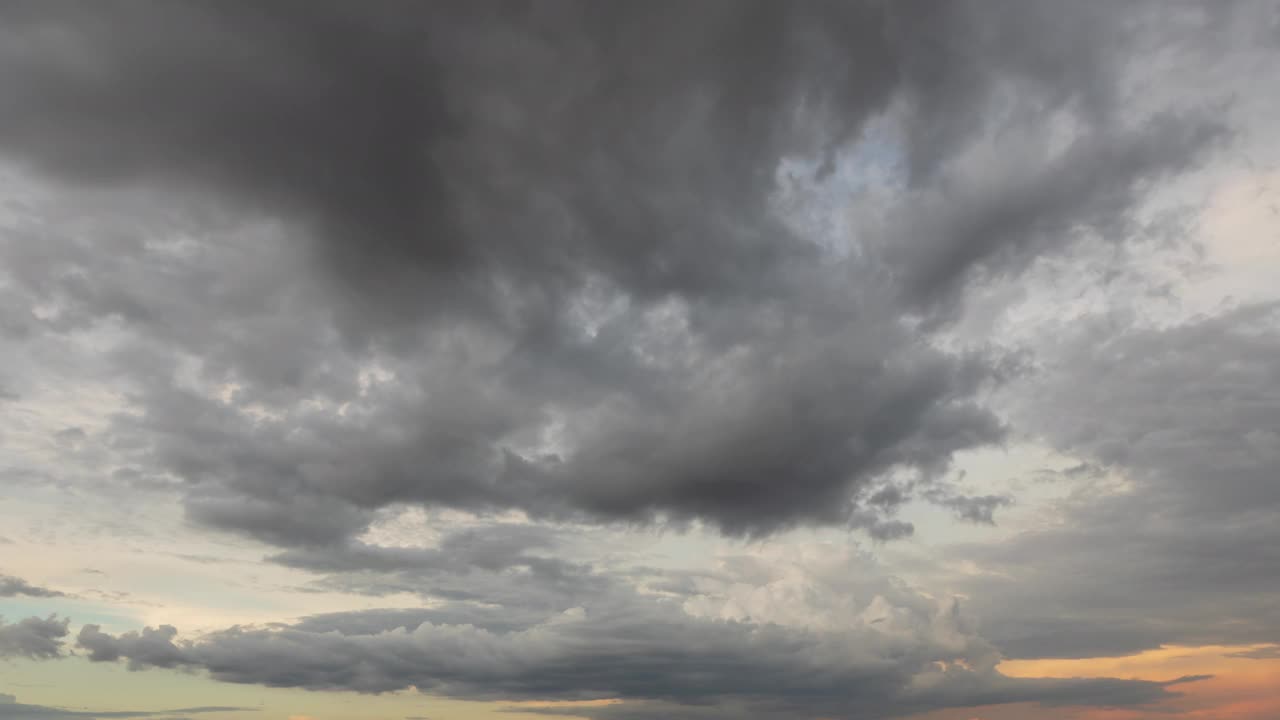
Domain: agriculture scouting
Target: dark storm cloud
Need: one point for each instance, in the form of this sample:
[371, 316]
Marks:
[1186, 552]
[309, 108]
[33, 638]
[11, 586]
[552, 226]
[384, 127]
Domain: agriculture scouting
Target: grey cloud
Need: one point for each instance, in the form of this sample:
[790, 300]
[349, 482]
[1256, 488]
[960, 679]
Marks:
[1004, 213]
[496, 576]
[305, 520]
[1185, 552]
[11, 586]
[499, 619]
[553, 228]
[648, 653]
[384, 127]
[1123, 585]
[33, 638]
[284, 478]
[152, 647]
[320, 111]
[976, 509]
[1078, 471]
[858, 644]
[493, 546]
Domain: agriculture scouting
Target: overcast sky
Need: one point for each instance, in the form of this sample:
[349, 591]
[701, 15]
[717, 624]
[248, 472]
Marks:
[639, 361]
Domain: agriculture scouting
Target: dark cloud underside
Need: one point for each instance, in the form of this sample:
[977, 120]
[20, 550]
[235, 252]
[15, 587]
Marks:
[553, 225]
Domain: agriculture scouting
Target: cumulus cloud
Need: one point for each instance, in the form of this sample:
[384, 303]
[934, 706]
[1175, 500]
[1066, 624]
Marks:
[33, 638]
[153, 647]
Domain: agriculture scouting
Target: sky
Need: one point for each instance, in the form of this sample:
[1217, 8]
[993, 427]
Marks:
[639, 361]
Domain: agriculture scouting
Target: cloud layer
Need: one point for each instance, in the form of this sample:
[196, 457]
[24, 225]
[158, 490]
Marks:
[33, 638]
[565, 290]
[460, 302]
[12, 587]
[652, 656]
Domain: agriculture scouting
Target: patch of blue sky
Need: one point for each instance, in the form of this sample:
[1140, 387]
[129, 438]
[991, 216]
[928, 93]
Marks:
[81, 612]
[816, 195]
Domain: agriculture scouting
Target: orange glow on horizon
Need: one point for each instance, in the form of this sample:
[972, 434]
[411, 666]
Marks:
[1240, 689]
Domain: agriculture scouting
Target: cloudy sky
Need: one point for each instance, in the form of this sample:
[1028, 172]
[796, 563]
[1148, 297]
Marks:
[639, 361]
